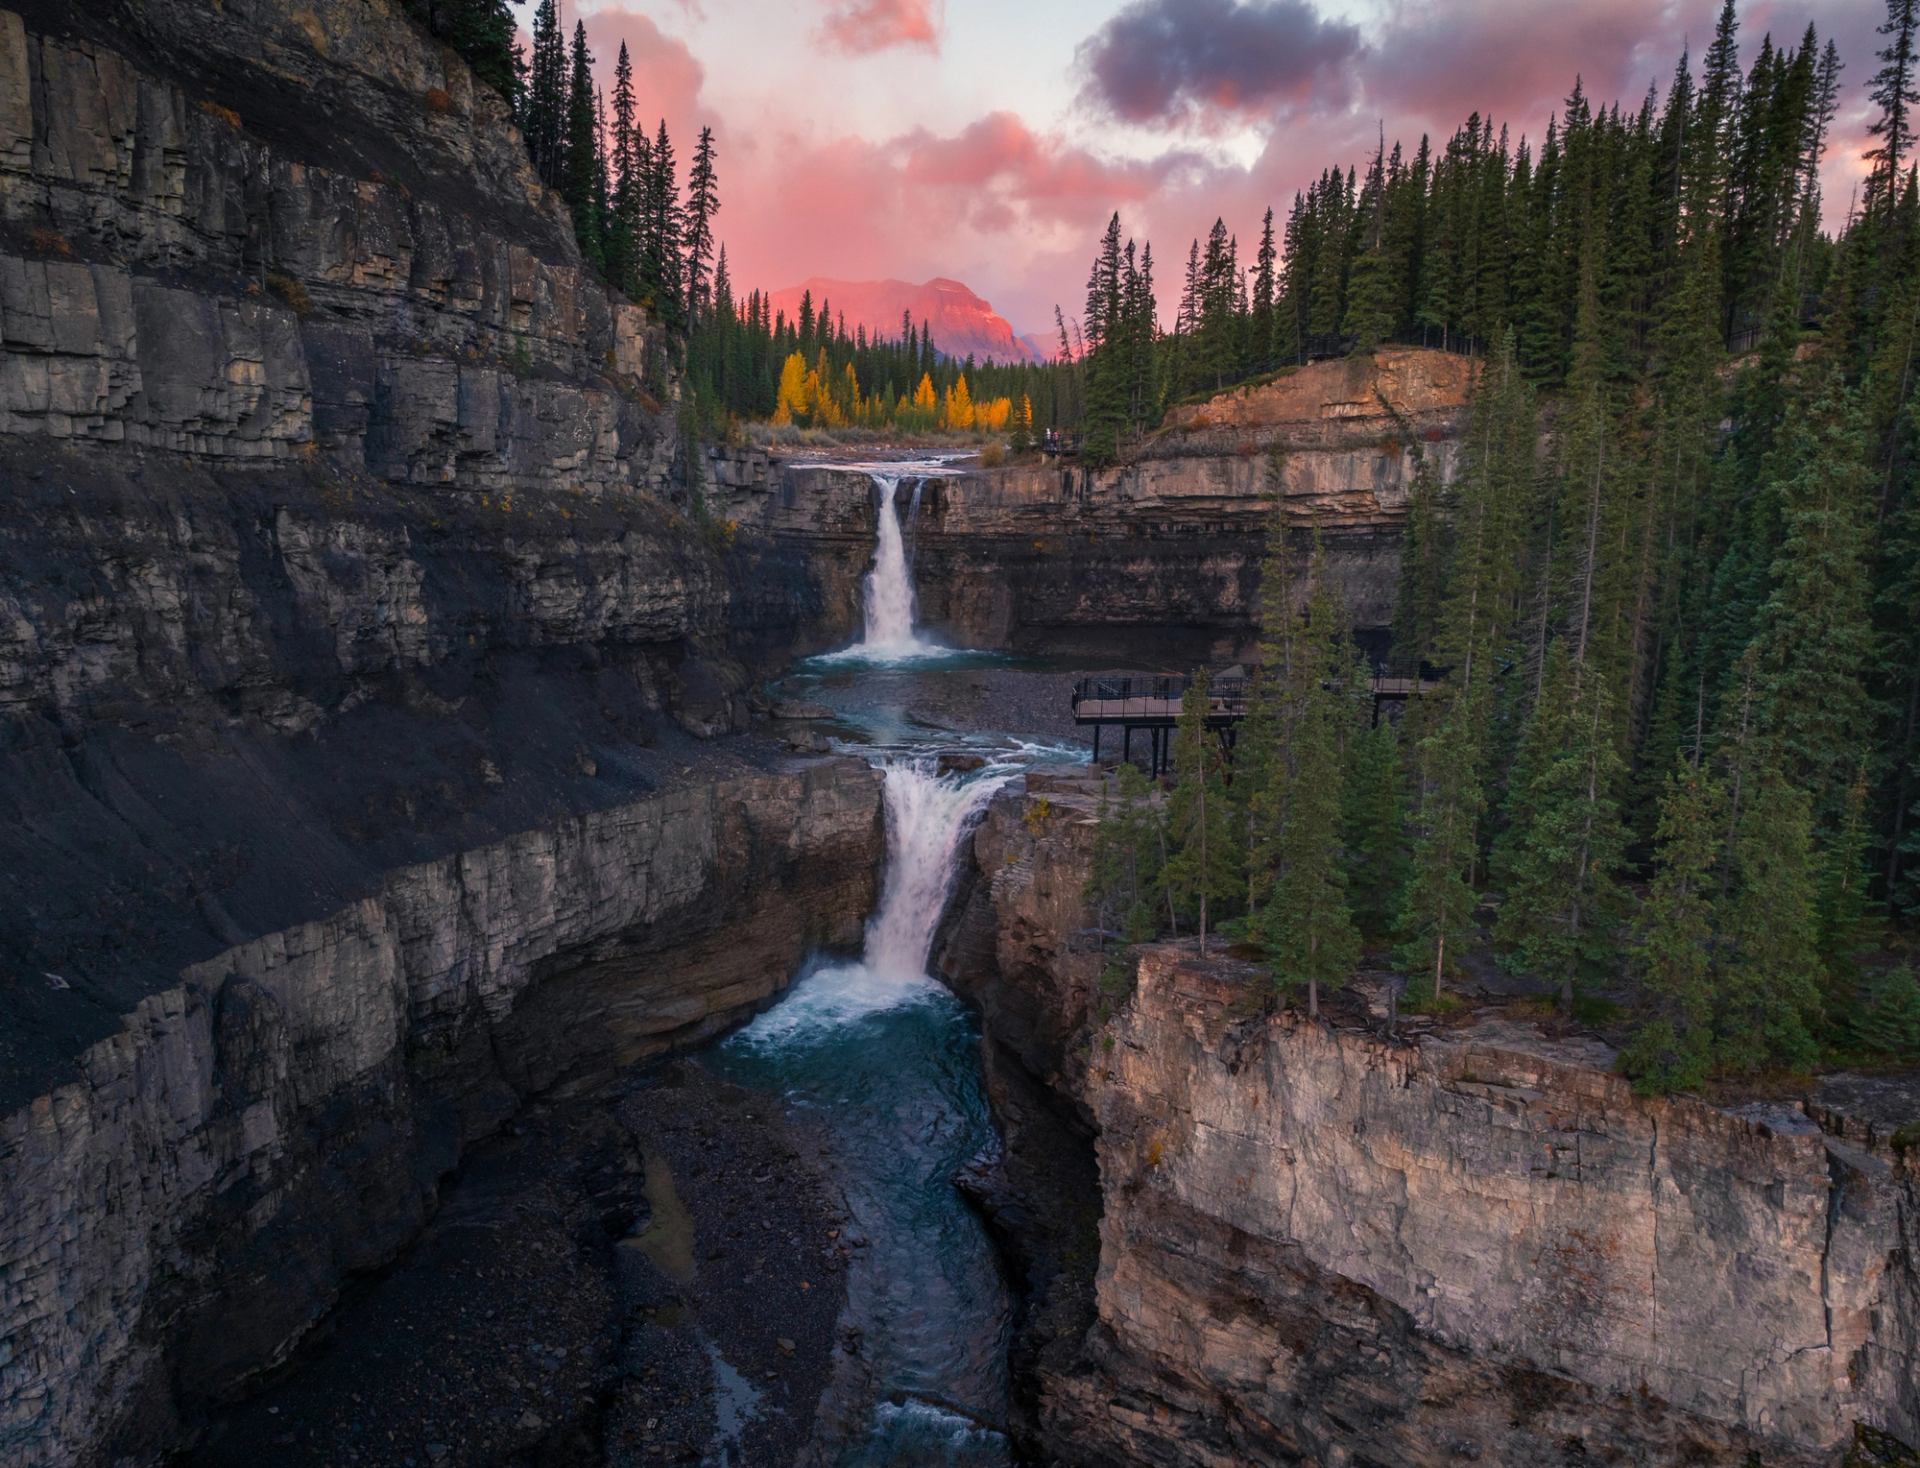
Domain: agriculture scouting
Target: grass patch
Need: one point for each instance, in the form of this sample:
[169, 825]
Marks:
[224, 114]
[293, 292]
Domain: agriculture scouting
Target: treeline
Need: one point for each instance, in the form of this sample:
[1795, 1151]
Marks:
[1451, 247]
[658, 245]
[745, 360]
[1671, 605]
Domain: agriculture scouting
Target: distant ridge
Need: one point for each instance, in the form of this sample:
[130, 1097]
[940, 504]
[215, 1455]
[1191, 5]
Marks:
[963, 324]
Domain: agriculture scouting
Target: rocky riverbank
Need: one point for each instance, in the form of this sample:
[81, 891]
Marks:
[646, 1271]
[1322, 1243]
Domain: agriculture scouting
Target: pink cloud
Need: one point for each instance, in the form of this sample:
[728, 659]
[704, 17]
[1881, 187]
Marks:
[861, 26]
[1015, 210]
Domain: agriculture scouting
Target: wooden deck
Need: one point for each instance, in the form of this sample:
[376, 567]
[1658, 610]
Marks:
[1153, 702]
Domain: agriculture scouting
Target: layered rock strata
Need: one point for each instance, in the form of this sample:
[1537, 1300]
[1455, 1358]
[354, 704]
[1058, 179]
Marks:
[279, 1119]
[1167, 545]
[364, 628]
[1320, 1244]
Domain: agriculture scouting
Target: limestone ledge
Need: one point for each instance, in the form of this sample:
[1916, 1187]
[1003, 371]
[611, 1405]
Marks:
[1517, 1204]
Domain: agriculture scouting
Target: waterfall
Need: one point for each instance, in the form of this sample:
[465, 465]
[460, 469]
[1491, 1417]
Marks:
[887, 593]
[889, 590]
[928, 817]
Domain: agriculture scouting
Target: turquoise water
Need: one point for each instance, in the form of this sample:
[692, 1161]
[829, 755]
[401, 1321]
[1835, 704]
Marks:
[890, 1062]
[892, 1067]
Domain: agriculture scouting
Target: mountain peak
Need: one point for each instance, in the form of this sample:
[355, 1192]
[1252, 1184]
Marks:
[964, 324]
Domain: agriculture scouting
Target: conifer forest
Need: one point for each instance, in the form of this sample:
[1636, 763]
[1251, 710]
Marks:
[1669, 600]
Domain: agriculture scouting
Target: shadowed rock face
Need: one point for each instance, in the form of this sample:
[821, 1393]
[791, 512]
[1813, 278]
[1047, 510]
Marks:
[1317, 1245]
[283, 1116]
[359, 643]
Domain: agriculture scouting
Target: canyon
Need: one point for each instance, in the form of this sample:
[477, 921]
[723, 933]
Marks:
[390, 774]
[1342, 1242]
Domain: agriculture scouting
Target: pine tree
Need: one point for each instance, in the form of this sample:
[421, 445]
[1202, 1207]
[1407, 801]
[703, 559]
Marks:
[703, 202]
[1200, 869]
[1306, 927]
[623, 225]
[1562, 850]
[1375, 821]
[1020, 425]
[545, 121]
[1124, 881]
[1371, 286]
[1108, 370]
[1262, 335]
[1436, 918]
[581, 176]
[1673, 1049]
[660, 283]
[1815, 637]
[1889, 1022]
[1895, 89]
[1770, 978]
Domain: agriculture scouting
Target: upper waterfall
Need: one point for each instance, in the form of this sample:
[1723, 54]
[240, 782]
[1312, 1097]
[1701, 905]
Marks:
[888, 604]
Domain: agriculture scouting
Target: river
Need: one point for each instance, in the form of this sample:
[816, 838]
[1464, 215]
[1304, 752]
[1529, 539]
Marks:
[889, 1059]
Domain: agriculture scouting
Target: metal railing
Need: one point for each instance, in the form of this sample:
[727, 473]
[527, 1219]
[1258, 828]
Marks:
[1152, 697]
[1135, 698]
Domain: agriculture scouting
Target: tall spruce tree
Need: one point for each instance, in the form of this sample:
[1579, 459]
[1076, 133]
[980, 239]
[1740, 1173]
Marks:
[1375, 820]
[1895, 90]
[581, 177]
[1306, 926]
[1815, 637]
[660, 283]
[1200, 869]
[1563, 847]
[1771, 974]
[1673, 1049]
[545, 114]
[703, 202]
[623, 221]
[1437, 915]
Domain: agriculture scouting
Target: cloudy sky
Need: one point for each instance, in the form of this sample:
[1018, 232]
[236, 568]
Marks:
[988, 140]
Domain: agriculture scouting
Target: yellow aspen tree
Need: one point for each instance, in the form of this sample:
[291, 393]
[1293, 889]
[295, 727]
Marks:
[791, 401]
[959, 404]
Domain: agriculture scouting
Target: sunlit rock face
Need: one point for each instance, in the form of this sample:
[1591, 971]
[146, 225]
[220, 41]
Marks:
[1168, 543]
[1320, 1244]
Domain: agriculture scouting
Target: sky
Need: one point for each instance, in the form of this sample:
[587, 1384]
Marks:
[989, 140]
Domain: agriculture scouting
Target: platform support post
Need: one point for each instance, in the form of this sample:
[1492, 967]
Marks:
[1096, 744]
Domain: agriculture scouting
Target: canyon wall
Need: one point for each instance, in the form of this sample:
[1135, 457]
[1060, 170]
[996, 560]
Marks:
[1322, 1244]
[365, 628]
[175, 1219]
[1167, 545]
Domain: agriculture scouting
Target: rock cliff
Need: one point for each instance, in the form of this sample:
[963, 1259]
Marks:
[1169, 542]
[364, 628]
[280, 1118]
[1321, 1244]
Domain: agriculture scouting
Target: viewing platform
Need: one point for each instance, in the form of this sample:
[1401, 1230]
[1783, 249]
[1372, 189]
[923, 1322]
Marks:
[1152, 702]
